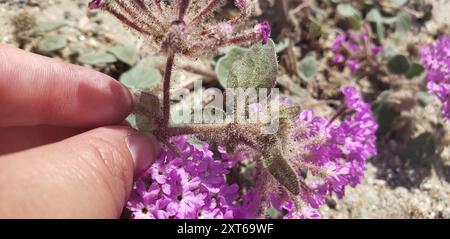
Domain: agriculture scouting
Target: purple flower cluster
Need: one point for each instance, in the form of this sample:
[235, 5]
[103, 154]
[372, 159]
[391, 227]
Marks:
[351, 47]
[188, 186]
[328, 156]
[436, 57]
[264, 31]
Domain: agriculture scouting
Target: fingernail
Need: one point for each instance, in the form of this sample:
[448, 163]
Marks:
[144, 149]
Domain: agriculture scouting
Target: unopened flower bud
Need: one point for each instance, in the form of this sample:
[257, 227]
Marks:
[264, 30]
[94, 4]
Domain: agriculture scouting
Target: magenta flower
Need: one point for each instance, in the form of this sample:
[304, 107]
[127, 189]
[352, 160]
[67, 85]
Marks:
[191, 186]
[264, 31]
[338, 42]
[349, 49]
[338, 58]
[334, 152]
[355, 48]
[354, 65]
[436, 57]
[94, 4]
[376, 49]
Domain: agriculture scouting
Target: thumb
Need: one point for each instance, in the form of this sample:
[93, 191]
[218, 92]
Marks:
[87, 176]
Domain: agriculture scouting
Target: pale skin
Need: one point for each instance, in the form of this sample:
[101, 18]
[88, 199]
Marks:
[64, 149]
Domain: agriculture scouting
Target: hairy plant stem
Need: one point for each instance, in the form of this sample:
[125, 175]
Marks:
[208, 9]
[183, 6]
[157, 3]
[166, 91]
[197, 129]
[340, 112]
[190, 129]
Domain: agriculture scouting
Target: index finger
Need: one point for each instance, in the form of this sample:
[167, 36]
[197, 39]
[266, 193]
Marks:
[37, 90]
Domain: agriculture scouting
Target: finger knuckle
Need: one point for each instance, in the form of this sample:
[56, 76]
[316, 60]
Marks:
[110, 164]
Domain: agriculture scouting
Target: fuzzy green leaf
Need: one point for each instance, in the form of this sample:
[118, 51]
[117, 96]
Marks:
[226, 62]
[52, 43]
[347, 10]
[381, 31]
[389, 50]
[415, 70]
[257, 69]
[282, 45]
[279, 167]
[151, 61]
[403, 23]
[399, 64]
[95, 58]
[140, 78]
[375, 16]
[289, 112]
[308, 67]
[47, 26]
[126, 54]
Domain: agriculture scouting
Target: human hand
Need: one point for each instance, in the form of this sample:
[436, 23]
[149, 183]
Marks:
[58, 159]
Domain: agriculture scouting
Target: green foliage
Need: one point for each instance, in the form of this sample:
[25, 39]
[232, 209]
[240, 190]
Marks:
[131, 119]
[421, 148]
[282, 45]
[257, 69]
[289, 112]
[307, 67]
[384, 115]
[278, 166]
[376, 16]
[352, 14]
[140, 78]
[399, 64]
[95, 58]
[52, 43]
[415, 70]
[425, 97]
[46, 26]
[225, 63]
[347, 10]
[126, 54]
[403, 23]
